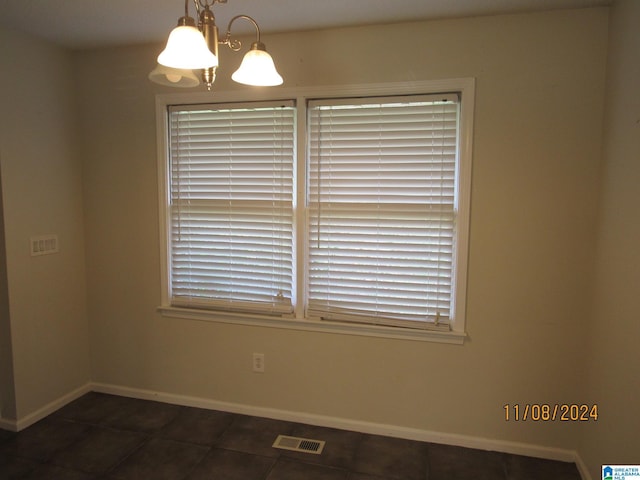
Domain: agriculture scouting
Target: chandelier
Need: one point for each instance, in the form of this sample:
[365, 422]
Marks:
[192, 47]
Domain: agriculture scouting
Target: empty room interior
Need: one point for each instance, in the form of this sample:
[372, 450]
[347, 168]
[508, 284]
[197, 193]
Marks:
[546, 263]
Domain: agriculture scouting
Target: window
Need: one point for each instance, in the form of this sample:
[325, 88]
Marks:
[381, 208]
[345, 211]
[231, 207]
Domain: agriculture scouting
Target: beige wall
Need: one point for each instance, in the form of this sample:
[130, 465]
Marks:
[41, 189]
[614, 356]
[7, 390]
[537, 149]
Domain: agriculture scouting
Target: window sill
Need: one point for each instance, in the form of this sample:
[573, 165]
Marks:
[456, 338]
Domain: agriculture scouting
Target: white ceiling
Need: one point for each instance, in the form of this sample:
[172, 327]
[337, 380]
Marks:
[82, 24]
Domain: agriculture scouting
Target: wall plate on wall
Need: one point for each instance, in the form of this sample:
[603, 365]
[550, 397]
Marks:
[44, 245]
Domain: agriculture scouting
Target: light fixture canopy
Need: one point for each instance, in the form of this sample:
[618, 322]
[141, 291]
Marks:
[190, 48]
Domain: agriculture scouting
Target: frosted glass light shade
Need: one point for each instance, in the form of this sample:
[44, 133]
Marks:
[174, 77]
[257, 68]
[187, 49]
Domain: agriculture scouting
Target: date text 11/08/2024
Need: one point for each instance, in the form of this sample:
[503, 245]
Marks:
[562, 412]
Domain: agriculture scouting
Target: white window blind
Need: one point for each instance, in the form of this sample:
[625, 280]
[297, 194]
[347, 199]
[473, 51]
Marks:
[382, 209]
[231, 206]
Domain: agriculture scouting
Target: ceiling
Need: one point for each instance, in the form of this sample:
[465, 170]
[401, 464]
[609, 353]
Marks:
[82, 24]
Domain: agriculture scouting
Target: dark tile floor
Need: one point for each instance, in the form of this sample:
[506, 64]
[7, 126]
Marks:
[109, 437]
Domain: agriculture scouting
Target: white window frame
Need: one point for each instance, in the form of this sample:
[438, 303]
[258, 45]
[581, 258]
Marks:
[465, 87]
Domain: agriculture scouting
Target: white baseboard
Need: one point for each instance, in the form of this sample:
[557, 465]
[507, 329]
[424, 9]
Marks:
[582, 467]
[49, 408]
[516, 448]
[8, 425]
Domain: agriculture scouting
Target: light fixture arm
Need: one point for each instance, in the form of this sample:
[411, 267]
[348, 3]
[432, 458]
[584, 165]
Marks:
[235, 44]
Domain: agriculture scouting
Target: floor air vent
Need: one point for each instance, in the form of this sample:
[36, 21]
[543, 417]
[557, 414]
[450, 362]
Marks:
[297, 444]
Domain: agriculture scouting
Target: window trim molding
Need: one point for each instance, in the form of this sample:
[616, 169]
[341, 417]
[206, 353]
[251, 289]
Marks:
[314, 325]
[465, 86]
